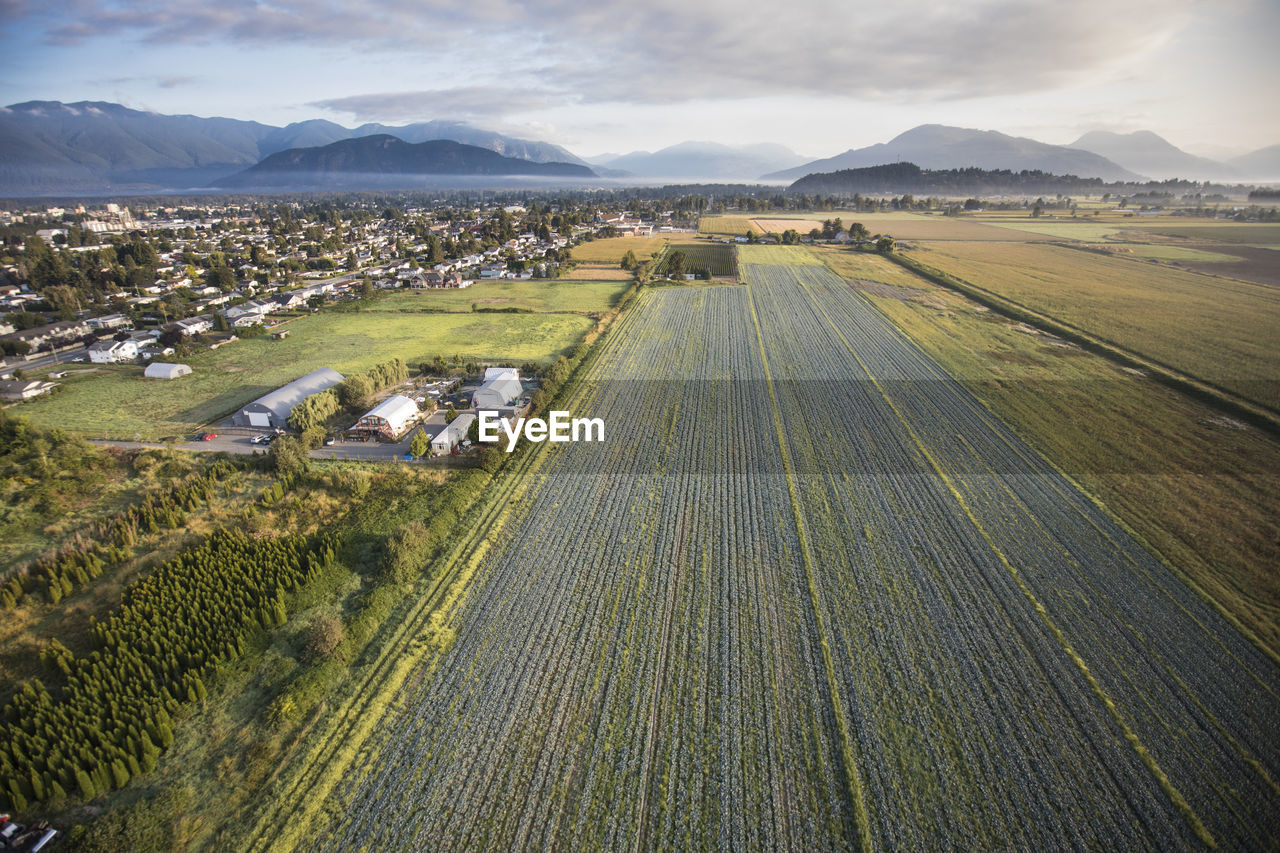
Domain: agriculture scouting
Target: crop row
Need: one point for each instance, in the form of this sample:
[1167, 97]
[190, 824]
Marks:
[1005, 613]
[810, 594]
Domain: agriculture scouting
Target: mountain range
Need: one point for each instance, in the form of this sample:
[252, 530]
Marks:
[701, 160]
[95, 146]
[383, 160]
[936, 146]
[50, 147]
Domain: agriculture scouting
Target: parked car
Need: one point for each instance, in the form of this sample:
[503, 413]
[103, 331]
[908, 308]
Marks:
[208, 436]
[261, 438]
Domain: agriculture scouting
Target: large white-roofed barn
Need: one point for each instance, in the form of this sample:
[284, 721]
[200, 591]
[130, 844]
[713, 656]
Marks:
[501, 388]
[272, 410]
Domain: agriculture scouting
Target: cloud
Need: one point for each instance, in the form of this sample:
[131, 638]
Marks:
[462, 102]
[672, 50]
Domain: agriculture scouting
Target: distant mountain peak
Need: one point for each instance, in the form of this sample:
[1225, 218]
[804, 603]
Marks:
[1149, 153]
[940, 146]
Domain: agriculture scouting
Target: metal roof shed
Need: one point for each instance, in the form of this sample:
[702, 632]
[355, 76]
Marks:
[455, 431]
[273, 410]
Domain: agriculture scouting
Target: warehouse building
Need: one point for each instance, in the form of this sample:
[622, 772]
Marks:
[165, 370]
[499, 391]
[273, 410]
[386, 421]
[452, 435]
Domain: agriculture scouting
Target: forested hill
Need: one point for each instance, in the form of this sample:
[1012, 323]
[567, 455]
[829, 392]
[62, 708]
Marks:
[896, 178]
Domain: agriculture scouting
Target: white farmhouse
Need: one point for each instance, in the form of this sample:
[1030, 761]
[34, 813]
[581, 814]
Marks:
[113, 352]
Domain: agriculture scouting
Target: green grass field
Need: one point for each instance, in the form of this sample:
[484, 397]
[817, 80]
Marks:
[729, 226]
[552, 296]
[1085, 229]
[785, 256]
[1197, 488]
[118, 402]
[1218, 330]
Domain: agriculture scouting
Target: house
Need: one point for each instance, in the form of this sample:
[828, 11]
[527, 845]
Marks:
[57, 333]
[388, 420]
[501, 387]
[452, 435]
[113, 352]
[110, 321]
[24, 389]
[273, 410]
[165, 370]
[194, 326]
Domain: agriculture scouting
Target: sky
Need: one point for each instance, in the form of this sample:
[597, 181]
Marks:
[818, 76]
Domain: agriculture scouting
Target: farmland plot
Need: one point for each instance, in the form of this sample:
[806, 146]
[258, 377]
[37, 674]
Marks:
[640, 667]
[810, 595]
[990, 616]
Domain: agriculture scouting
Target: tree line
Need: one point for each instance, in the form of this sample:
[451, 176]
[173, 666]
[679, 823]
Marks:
[112, 716]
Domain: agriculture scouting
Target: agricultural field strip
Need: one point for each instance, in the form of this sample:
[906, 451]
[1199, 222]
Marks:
[1216, 330]
[711, 805]
[1143, 633]
[551, 687]
[932, 689]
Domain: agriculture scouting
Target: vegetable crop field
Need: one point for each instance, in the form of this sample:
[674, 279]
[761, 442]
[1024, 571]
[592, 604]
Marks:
[815, 596]
[700, 254]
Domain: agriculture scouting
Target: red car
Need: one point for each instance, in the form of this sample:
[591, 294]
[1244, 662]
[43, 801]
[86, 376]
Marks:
[207, 436]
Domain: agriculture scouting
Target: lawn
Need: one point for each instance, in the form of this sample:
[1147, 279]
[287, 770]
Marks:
[1197, 487]
[118, 402]
[540, 296]
[1218, 330]
[611, 249]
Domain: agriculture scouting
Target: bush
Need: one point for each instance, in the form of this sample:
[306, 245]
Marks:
[323, 636]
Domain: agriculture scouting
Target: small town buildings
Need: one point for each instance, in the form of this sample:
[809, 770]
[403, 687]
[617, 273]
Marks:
[388, 420]
[452, 435]
[165, 370]
[113, 352]
[273, 410]
[24, 389]
[110, 321]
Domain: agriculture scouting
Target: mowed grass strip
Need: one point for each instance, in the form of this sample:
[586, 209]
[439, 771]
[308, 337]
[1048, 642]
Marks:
[729, 226]
[1198, 488]
[781, 256]
[611, 249]
[541, 296]
[1221, 331]
[117, 402]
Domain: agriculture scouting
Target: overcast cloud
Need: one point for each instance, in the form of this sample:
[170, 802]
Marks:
[576, 64]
